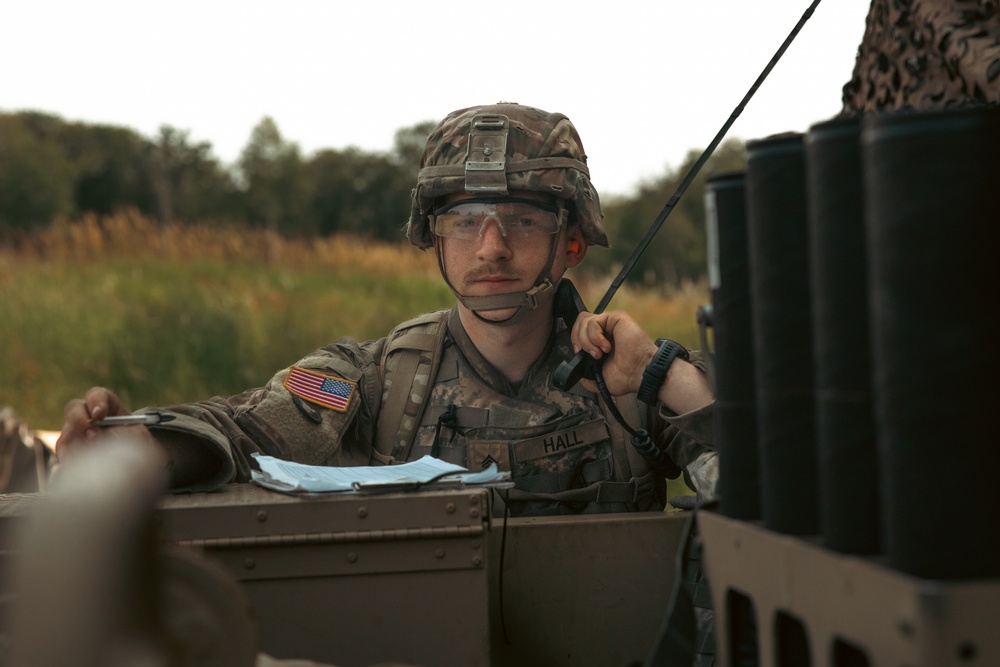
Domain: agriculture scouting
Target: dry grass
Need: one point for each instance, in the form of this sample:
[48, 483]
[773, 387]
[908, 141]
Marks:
[173, 313]
[130, 235]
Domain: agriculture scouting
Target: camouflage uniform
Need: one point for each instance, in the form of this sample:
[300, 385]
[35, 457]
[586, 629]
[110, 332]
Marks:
[553, 441]
[565, 454]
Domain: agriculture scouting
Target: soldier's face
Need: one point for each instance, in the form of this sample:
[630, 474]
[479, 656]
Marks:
[494, 263]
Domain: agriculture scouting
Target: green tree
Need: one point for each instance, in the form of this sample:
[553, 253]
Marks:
[408, 145]
[367, 193]
[108, 162]
[36, 179]
[360, 193]
[276, 184]
[110, 168]
[189, 182]
[678, 252]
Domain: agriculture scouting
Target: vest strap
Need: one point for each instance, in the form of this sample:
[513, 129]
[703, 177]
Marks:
[409, 341]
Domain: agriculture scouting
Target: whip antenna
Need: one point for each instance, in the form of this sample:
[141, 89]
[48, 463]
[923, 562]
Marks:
[569, 373]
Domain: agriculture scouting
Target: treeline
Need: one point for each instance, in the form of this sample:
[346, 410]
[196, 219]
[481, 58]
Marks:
[52, 169]
[678, 253]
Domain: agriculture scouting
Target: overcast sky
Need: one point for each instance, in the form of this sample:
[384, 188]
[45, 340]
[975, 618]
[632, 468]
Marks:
[645, 81]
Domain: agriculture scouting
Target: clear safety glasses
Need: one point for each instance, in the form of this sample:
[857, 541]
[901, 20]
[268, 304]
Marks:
[516, 218]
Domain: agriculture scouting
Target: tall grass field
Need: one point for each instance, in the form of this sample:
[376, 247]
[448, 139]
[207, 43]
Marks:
[170, 314]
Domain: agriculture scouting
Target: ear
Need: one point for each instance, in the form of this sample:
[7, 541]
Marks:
[576, 246]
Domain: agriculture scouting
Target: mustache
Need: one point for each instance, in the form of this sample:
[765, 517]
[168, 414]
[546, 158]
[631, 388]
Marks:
[491, 270]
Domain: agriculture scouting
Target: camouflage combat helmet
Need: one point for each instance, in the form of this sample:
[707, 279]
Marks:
[503, 147]
[495, 151]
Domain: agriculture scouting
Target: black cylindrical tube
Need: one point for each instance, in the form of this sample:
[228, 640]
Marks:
[933, 231]
[845, 425]
[735, 411]
[783, 360]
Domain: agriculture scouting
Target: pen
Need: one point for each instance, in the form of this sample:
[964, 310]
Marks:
[147, 419]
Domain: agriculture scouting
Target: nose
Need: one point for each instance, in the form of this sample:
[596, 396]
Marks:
[492, 243]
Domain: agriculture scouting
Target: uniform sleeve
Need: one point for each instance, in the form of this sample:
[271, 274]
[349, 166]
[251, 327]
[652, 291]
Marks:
[689, 440]
[297, 416]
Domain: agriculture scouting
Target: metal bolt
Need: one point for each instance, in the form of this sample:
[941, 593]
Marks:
[249, 563]
[351, 557]
[473, 500]
[474, 513]
[477, 561]
[439, 553]
[905, 627]
[362, 512]
[450, 508]
[262, 515]
[475, 544]
[487, 150]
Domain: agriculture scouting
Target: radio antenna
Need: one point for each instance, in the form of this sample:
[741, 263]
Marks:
[569, 373]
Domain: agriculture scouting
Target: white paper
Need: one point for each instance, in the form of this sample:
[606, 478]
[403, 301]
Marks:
[291, 477]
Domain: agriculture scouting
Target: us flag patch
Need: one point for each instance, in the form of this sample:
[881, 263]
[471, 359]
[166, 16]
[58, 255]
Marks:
[327, 390]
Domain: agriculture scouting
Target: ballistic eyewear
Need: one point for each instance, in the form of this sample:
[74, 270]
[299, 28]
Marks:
[516, 218]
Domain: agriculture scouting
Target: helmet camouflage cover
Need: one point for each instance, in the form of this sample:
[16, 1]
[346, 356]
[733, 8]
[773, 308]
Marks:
[541, 152]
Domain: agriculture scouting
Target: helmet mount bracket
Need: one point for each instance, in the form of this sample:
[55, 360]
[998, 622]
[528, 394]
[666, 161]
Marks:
[486, 158]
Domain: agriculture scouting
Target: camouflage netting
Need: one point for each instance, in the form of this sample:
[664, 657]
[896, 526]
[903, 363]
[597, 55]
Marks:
[927, 55]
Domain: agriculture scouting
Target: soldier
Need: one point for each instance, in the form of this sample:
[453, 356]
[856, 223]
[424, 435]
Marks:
[504, 200]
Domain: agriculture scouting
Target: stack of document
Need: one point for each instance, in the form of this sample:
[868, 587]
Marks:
[289, 477]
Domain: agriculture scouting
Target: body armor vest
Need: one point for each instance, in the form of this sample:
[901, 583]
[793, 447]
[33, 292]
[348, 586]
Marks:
[565, 453]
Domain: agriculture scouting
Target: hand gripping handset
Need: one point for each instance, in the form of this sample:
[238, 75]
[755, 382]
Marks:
[569, 305]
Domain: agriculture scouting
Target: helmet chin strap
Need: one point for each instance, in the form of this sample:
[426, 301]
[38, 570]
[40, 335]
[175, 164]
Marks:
[525, 302]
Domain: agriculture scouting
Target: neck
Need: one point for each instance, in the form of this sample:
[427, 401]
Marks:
[510, 349]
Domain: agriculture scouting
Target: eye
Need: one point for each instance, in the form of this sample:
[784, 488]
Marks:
[531, 222]
[458, 222]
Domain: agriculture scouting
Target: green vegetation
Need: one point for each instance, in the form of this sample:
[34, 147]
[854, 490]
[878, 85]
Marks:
[678, 252]
[52, 170]
[181, 277]
[166, 314]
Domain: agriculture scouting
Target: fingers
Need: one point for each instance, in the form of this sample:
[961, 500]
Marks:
[619, 342]
[591, 334]
[101, 403]
[597, 335]
[76, 424]
[80, 414]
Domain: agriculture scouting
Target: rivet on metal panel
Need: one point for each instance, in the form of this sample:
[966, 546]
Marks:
[473, 500]
[249, 563]
[474, 544]
[477, 561]
[905, 627]
[474, 513]
[262, 515]
[439, 553]
[362, 512]
[351, 557]
[967, 651]
[450, 508]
